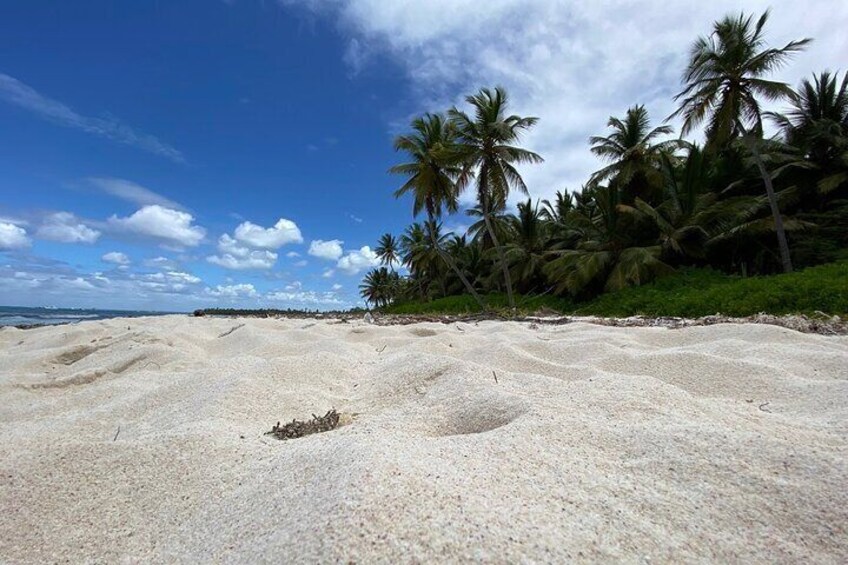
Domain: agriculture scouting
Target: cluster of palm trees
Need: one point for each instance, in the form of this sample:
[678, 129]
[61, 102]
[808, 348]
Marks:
[742, 203]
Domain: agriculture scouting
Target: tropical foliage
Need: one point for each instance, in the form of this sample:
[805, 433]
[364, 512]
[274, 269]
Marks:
[739, 203]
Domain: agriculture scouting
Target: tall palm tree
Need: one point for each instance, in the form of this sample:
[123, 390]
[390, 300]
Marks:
[633, 153]
[431, 178]
[487, 152]
[387, 250]
[723, 83]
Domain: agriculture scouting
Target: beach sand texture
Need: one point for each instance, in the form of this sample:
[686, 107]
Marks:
[143, 439]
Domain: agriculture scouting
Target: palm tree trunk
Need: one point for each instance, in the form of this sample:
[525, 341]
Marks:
[453, 266]
[501, 256]
[782, 244]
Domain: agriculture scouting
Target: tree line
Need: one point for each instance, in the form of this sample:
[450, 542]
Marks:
[741, 202]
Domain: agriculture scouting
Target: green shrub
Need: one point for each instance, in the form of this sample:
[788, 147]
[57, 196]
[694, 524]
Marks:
[688, 293]
[465, 304]
[702, 292]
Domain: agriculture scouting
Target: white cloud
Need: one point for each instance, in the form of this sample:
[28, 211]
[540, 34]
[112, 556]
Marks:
[283, 232]
[160, 263]
[15, 221]
[337, 287]
[305, 298]
[116, 257]
[15, 92]
[172, 226]
[234, 255]
[233, 291]
[292, 254]
[12, 236]
[358, 261]
[330, 250]
[328, 274]
[179, 276]
[168, 282]
[64, 227]
[132, 192]
[571, 63]
[301, 264]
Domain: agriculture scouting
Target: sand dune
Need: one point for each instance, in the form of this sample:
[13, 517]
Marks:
[493, 441]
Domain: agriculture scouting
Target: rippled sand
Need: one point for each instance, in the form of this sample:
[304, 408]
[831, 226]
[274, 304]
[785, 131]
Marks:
[143, 440]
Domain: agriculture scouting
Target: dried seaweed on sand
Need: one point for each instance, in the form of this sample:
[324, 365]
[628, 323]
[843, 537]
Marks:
[298, 428]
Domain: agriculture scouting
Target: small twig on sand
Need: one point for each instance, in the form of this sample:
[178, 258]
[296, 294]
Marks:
[460, 329]
[116, 434]
[763, 407]
[158, 366]
[380, 350]
[496, 376]
[231, 330]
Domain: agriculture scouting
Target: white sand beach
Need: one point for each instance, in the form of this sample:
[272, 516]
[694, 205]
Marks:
[133, 440]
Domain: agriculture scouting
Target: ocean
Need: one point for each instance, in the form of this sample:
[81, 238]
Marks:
[23, 316]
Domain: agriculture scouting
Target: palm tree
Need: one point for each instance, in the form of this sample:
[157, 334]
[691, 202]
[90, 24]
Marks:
[609, 255]
[722, 84]
[817, 124]
[693, 214]
[387, 250]
[379, 287]
[431, 179]
[486, 152]
[557, 210]
[526, 250]
[633, 154]
[413, 249]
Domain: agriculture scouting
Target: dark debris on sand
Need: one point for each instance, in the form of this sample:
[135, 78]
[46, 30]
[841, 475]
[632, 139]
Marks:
[297, 428]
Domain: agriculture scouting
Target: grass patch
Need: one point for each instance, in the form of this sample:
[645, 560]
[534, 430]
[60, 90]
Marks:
[702, 292]
[465, 304]
[689, 293]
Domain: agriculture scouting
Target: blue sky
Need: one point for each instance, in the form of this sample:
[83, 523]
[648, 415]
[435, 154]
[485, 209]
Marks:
[175, 155]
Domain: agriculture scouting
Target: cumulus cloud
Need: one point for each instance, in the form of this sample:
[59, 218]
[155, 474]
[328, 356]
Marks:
[167, 282]
[292, 254]
[571, 63]
[330, 250]
[13, 237]
[132, 192]
[116, 257]
[337, 287]
[305, 298]
[233, 255]
[24, 96]
[358, 261]
[64, 227]
[328, 274]
[233, 291]
[179, 276]
[171, 226]
[283, 232]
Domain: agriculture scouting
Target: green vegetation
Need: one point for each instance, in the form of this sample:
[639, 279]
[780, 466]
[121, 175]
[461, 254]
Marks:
[688, 293]
[464, 304]
[702, 292]
[708, 223]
